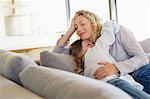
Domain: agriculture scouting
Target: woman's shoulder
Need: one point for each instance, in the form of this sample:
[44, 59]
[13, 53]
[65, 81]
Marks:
[112, 24]
[123, 34]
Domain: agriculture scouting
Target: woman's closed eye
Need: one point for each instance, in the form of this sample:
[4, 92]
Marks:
[82, 24]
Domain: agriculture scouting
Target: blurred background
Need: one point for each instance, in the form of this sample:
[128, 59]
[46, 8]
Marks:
[39, 23]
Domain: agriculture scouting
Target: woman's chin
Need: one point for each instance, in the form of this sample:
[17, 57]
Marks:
[85, 38]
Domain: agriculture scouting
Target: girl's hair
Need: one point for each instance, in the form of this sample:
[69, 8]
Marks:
[75, 49]
[95, 21]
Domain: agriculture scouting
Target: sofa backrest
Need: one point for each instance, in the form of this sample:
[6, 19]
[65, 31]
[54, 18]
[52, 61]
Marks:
[11, 64]
[58, 84]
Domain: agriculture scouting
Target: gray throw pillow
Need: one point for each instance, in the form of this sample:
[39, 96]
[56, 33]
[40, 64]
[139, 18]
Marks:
[57, 61]
[11, 64]
[57, 84]
[145, 45]
[148, 55]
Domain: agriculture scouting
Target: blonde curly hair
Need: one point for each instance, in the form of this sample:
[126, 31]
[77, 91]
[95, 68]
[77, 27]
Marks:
[95, 21]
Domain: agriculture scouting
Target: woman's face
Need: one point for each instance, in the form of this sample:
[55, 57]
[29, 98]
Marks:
[83, 27]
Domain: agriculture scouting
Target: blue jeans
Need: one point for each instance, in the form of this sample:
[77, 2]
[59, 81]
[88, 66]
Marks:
[128, 88]
[142, 76]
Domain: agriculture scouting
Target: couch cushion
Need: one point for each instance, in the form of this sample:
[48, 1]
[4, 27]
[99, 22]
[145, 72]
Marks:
[11, 64]
[148, 55]
[57, 84]
[11, 90]
[145, 45]
[58, 61]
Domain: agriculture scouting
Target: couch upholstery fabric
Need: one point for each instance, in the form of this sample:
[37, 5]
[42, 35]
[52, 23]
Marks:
[57, 61]
[57, 84]
[11, 64]
[11, 90]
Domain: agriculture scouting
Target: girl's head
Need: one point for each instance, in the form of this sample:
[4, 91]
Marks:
[78, 50]
[80, 47]
[88, 25]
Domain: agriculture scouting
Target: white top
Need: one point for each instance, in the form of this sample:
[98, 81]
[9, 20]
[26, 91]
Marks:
[100, 52]
[115, 36]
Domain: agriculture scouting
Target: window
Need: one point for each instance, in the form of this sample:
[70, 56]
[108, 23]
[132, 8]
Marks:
[99, 7]
[45, 16]
[34, 23]
[135, 14]
[48, 16]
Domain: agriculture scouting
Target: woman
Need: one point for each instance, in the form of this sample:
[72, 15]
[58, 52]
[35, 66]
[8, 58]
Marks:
[85, 52]
[125, 50]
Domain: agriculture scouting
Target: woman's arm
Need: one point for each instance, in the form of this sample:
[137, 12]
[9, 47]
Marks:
[137, 57]
[64, 39]
[106, 70]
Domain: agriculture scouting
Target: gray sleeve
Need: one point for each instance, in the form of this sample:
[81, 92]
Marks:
[137, 55]
[61, 49]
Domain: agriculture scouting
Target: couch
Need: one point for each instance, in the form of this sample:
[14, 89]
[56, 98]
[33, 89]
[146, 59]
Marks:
[11, 64]
[22, 78]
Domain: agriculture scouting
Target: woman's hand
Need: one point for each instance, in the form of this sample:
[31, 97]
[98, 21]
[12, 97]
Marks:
[65, 38]
[72, 28]
[106, 70]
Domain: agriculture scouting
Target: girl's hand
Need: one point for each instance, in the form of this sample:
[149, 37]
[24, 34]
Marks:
[106, 70]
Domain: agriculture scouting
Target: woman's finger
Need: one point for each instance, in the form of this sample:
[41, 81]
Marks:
[101, 77]
[96, 72]
[100, 72]
[102, 63]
